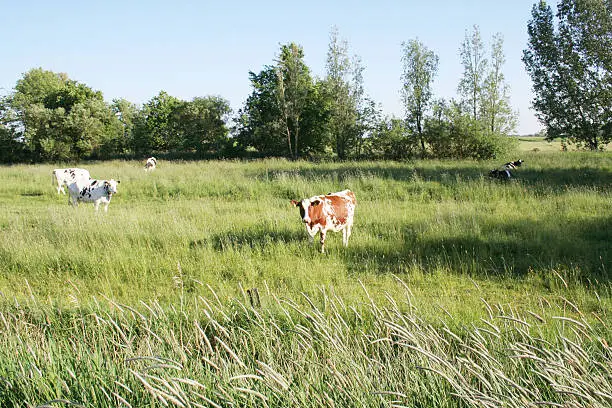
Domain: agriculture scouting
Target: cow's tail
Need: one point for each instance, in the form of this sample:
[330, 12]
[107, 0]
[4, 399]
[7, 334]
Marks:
[53, 178]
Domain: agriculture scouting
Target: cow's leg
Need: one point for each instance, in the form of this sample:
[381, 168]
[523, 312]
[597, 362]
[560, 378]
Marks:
[311, 234]
[96, 205]
[322, 241]
[346, 233]
[106, 207]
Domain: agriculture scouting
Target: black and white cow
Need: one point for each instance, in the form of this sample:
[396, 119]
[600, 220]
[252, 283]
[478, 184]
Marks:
[67, 177]
[503, 173]
[150, 164]
[513, 164]
[94, 191]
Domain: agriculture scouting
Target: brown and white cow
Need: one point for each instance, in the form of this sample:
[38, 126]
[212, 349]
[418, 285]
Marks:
[330, 212]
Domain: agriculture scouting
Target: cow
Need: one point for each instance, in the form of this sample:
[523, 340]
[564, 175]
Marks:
[513, 164]
[93, 191]
[60, 177]
[150, 164]
[330, 212]
[503, 174]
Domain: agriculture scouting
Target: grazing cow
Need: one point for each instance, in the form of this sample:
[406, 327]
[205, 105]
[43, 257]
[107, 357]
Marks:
[513, 164]
[323, 213]
[93, 191]
[150, 164]
[67, 177]
[500, 174]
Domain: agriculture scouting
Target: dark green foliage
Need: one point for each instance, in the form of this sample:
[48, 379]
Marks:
[284, 115]
[390, 141]
[570, 64]
[460, 136]
[154, 129]
[200, 124]
[257, 124]
[55, 118]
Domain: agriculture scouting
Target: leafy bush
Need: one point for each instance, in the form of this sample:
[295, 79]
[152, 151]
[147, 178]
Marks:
[463, 137]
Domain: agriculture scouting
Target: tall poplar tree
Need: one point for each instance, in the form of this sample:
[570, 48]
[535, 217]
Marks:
[293, 86]
[497, 114]
[475, 67]
[348, 109]
[420, 69]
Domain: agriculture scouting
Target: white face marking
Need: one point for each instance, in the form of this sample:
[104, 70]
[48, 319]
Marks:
[305, 205]
[112, 186]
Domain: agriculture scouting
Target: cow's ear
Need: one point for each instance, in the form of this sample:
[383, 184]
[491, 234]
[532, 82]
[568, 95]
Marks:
[294, 203]
[118, 181]
[106, 183]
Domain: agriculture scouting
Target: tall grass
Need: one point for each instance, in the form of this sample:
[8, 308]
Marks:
[279, 351]
[455, 289]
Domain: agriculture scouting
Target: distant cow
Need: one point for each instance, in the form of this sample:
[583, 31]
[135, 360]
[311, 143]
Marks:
[93, 191]
[323, 213]
[513, 164]
[503, 174]
[150, 164]
[68, 176]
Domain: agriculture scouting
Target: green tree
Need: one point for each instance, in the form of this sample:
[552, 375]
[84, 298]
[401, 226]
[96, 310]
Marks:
[389, 141]
[286, 113]
[420, 66]
[58, 118]
[127, 113]
[343, 86]
[571, 69]
[35, 87]
[293, 87]
[155, 128]
[201, 124]
[258, 124]
[454, 133]
[497, 113]
[475, 66]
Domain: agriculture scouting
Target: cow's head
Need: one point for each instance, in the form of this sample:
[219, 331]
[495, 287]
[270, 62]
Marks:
[111, 186]
[306, 207]
[518, 163]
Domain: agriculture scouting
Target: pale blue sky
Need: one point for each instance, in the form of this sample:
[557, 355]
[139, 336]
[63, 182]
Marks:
[134, 49]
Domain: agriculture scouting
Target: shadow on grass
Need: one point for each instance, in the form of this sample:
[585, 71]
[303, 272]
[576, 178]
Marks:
[254, 238]
[579, 248]
[448, 173]
[560, 179]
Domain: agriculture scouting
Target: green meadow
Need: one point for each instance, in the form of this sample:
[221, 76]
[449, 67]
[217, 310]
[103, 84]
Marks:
[199, 286]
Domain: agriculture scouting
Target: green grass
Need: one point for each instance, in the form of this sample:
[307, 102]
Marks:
[87, 300]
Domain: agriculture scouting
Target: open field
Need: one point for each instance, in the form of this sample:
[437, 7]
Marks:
[455, 289]
[539, 144]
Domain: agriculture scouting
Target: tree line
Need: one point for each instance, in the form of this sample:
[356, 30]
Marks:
[290, 113]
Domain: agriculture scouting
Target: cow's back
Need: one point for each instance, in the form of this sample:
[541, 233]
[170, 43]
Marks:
[342, 206]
